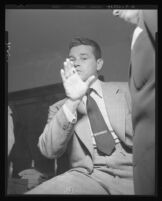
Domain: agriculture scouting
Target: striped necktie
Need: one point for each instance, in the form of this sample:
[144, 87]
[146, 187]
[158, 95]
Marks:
[104, 140]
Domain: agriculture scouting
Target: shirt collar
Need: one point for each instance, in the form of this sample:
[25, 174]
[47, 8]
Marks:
[96, 85]
[136, 33]
[9, 110]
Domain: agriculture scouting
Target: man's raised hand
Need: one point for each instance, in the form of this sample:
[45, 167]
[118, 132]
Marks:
[75, 87]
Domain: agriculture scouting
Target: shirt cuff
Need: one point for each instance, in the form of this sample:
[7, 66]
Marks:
[70, 117]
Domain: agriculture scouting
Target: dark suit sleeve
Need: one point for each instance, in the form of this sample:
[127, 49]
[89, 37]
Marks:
[128, 115]
[150, 21]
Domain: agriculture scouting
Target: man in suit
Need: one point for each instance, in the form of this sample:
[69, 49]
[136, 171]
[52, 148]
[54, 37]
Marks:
[142, 89]
[69, 129]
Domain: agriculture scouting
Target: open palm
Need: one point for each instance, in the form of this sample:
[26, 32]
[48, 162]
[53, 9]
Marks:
[75, 88]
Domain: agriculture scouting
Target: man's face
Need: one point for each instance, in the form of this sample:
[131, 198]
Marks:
[84, 61]
[128, 15]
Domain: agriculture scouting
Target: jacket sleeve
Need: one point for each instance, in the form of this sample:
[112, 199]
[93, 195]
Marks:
[125, 89]
[128, 121]
[150, 21]
[57, 132]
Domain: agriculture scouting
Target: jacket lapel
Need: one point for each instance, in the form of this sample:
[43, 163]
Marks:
[115, 106]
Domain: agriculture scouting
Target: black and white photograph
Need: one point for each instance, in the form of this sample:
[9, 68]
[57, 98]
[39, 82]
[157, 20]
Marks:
[81, 100]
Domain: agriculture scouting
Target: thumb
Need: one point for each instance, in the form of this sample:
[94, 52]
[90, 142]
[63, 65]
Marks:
[90, 80]
[62, 75]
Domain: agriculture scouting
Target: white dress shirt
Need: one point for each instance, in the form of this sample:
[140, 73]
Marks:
[136, 33]
[98, 97]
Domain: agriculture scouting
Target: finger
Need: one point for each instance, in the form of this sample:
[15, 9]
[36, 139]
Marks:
[90, 80]
[69, 64]
[67, 68]
[22, 173]
[63, 75]
[70, 68]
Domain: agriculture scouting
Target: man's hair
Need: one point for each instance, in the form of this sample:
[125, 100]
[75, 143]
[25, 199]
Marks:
[86, 41]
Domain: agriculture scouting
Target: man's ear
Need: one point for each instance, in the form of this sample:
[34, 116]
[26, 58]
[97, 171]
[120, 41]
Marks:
[99, 64]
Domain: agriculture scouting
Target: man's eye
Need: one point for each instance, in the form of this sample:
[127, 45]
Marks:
[72, 59]
[84, 58]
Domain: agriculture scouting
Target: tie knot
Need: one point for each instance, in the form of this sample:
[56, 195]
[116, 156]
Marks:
[89, 91]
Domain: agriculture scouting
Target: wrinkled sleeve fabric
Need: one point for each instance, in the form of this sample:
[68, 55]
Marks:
[57, 132]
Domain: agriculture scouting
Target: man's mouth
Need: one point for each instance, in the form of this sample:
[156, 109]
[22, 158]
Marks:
[78, 71]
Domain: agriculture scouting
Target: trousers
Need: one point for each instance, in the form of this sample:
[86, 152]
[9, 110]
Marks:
[107, 178]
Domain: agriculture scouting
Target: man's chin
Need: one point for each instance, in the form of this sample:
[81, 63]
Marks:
[82, 77]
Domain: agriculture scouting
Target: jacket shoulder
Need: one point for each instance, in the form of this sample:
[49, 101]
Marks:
[118, 85]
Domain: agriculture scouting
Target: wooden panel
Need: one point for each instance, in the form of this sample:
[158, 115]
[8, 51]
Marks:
[30, 110]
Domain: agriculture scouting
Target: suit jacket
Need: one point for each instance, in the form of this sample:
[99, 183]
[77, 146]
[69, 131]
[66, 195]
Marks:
[142, 88]
[60, 135]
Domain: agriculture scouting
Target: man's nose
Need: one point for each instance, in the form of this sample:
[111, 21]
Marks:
[76, 63]
[116, 12]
